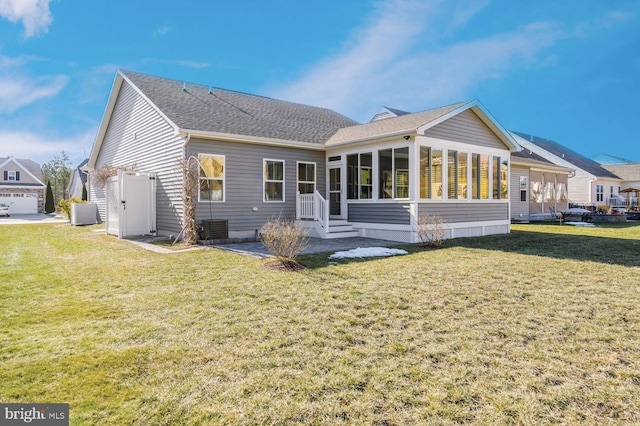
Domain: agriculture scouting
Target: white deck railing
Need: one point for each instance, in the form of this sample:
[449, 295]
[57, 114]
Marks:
[622, 202]
[313, 206]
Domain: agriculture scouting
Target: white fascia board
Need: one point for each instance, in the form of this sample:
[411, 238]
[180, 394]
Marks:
[23, 187]
[484, 115]
[24, 169]
[106, 117]
[228, 137]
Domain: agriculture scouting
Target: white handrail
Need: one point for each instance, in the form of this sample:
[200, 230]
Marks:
[313, 206]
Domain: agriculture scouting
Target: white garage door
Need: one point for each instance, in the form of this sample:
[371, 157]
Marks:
[22, 203]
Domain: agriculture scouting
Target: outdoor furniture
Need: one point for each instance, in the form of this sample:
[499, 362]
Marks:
[555, 213]
[576, 215]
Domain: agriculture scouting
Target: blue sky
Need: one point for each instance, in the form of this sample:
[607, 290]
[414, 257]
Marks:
[564, 70]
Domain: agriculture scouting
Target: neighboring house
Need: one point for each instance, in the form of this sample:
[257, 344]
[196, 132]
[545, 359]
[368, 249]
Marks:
[21, 186]
[591, 184]
[77, 181]
[264, 158]
[630, 175]
[538, 187]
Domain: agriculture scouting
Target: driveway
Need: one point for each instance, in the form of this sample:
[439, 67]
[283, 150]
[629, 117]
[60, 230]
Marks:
[24, 219]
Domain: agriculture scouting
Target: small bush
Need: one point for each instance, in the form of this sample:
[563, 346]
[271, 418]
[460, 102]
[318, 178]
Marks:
[284, 239]
[432, 230]
[64, 206]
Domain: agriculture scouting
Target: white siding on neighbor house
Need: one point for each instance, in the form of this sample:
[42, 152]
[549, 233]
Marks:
[466, 127]
[607, 184]
[580, 188]
[138, 134]
[519, 209]
[243, 185]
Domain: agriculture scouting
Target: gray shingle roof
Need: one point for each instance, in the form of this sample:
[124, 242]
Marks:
[578, 160]
[30, 165]
[403, 123]
[226, 111]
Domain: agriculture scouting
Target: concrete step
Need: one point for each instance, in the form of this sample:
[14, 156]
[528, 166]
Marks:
[333, 235]
[340, 228]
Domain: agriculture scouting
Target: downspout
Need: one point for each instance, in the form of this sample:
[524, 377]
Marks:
[591, 180]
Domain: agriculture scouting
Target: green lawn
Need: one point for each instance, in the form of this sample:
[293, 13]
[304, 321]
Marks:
[541, 326]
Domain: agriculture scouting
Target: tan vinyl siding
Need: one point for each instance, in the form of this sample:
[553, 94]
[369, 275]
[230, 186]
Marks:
[466, 212]
[466, 127]
[138, 134]
[519, 209]
[243, 182]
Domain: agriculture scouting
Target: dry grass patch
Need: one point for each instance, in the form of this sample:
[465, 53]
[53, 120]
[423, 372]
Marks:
[498, 330]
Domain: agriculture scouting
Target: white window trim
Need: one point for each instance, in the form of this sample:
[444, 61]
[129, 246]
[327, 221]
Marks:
[11, 175]
[264, 180]
[315, 170]
[224, 173]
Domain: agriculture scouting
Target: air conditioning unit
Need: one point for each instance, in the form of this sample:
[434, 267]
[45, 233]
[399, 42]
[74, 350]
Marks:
[217, 229]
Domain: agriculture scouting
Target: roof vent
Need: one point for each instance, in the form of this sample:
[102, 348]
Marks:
[184, 87]
[210, 90]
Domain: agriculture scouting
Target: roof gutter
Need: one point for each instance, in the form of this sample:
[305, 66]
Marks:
[227, 137]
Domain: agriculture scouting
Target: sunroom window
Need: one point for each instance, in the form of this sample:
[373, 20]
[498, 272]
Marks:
[430, 173]
[359, 176]
[393, 167]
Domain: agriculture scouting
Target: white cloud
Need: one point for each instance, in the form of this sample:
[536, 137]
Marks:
[34, 14]
[161, 31]
[41, 147]
[18, 89]
[404, 59]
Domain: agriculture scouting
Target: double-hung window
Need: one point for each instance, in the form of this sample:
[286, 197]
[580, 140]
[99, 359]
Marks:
[273, 180]
[524, 186]
[211, 177]
[306, 177]
[11, 175]
[599, 193]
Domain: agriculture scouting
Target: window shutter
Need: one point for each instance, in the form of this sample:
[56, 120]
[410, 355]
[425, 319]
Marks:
[17, 176]
[6, 175]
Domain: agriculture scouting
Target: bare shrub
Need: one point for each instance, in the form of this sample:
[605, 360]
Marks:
[432, 230]
[284, 239]
[99, 176]
[190, 169]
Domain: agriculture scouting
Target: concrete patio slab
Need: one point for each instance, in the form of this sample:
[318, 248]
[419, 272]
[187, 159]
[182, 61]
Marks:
[316, 245]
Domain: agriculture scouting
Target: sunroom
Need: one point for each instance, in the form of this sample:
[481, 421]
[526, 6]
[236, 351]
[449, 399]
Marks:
[381, 186]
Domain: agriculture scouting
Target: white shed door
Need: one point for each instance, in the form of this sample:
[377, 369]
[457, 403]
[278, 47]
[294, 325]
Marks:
[22, 203]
